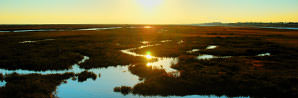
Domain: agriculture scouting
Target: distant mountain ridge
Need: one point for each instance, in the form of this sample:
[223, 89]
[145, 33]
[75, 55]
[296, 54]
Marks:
[253, 24]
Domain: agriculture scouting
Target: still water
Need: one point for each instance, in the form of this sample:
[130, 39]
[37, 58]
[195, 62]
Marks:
[289, 28]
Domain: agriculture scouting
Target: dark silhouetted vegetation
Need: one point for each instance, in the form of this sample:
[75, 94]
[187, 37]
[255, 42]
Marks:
[36, 85]
[123, 89]
[1, 77]
[259, 24]
[242, 74]
[32, 86]
[83, 76]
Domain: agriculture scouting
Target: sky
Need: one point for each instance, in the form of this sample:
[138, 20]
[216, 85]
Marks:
[146, 11]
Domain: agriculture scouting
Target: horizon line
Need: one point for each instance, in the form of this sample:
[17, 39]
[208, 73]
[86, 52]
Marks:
[133, 23]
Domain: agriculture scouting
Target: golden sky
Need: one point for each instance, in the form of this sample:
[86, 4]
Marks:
[146, 11]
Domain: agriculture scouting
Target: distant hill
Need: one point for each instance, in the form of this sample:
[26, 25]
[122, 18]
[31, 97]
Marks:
[253, 24]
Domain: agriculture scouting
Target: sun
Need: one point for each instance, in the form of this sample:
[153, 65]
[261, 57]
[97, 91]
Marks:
[149, 3]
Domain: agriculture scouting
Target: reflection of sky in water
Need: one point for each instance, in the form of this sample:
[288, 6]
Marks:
[164, 41]
[193, 50]
[24, 42]
[145, 42]
[206, 56]
[102, 87]
[211, 47]
[264, 54]
[28, 42]
[2, 83]
[46, 30]
[290, 28]
[209, 56]
[37, 30]
[33, 30]
[75, 69]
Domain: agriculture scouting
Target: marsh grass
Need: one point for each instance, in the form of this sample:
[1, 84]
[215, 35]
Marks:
[36, 85]
[32, 86]
[244, 74]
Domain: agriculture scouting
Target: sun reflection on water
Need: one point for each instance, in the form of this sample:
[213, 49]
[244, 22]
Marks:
[147, 27]
[149, 64]
[148, 55]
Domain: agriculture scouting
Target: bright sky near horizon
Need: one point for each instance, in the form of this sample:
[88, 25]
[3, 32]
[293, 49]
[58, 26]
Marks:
[146, 11]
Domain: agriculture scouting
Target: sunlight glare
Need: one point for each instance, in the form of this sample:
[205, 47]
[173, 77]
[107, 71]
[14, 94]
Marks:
[148, 55]
[149, 64]
[147, 27]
